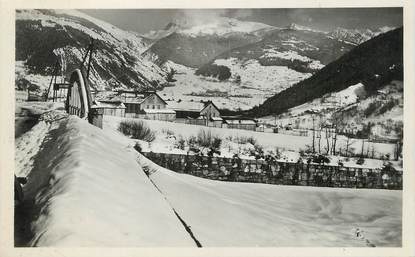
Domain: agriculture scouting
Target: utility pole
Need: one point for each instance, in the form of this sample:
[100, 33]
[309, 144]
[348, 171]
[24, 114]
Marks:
[334, 140]
[88, 52]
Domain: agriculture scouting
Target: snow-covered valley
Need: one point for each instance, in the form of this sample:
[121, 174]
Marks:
[224, 132]
[95, 176]
[253, 87]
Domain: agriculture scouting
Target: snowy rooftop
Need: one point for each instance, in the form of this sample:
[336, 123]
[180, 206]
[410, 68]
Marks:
[241, 121]
[165, 111]
[186, 106]
[110, 104]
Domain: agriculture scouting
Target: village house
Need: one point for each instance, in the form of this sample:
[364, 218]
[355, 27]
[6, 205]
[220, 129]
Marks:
[112, 108]
[144, 105]
[21, 95]
[198, 113]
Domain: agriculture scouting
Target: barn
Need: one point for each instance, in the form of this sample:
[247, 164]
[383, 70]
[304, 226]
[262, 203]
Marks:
[135, 102]
[112, 108]
[204, 113]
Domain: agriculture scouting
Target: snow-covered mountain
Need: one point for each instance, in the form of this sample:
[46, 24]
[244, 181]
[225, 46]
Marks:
[220, 26]
[357, 36]
[239, 64]
[251, 73]
[42, 35]
[195, 45]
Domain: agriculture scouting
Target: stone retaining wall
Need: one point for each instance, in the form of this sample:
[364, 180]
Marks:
[275, 172]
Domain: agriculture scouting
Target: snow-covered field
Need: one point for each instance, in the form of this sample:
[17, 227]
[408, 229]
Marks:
[89, 189]
[266, 140]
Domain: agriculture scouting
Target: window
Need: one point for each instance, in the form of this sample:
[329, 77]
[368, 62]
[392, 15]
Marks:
[153, 106]
[148, 107]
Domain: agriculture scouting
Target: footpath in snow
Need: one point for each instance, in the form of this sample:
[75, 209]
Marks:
[85, 189]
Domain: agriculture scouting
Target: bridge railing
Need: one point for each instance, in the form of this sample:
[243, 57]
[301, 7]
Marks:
[79, 100]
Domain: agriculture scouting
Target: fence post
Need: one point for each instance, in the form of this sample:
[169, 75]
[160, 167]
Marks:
[95, 116]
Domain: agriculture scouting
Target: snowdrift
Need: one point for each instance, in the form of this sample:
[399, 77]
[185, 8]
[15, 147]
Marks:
[89, 191]
[244, 214]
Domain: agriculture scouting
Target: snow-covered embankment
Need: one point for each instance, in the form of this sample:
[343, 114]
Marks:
[85, 189]
[246, 214]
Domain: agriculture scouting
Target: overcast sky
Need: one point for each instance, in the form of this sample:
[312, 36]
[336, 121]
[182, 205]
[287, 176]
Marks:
[144, 20]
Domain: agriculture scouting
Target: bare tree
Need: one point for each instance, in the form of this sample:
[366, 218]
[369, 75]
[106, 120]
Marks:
[372, 154]
[327, 132]
[363, 147]
[334, 136]
[347, 146]
[319, 140]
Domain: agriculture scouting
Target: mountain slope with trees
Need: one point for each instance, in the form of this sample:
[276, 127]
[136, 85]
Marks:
[374, 63]
[43, 36]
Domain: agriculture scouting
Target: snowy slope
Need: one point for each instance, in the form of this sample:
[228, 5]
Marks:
[42, 35]
[87, 196]
[357, 36]
[244, 214]
[225, 94]
[253, 88]
[267, 79]
[383, 109]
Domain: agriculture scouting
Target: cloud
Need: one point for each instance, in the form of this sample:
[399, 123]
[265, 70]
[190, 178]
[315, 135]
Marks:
[194, 17]
[300, 16]
[239, 13]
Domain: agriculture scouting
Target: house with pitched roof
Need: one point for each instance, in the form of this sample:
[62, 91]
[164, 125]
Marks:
[144, 105]
[204, 113]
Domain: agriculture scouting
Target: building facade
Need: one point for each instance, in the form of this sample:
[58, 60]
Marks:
[197, 113]
[144, 105]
